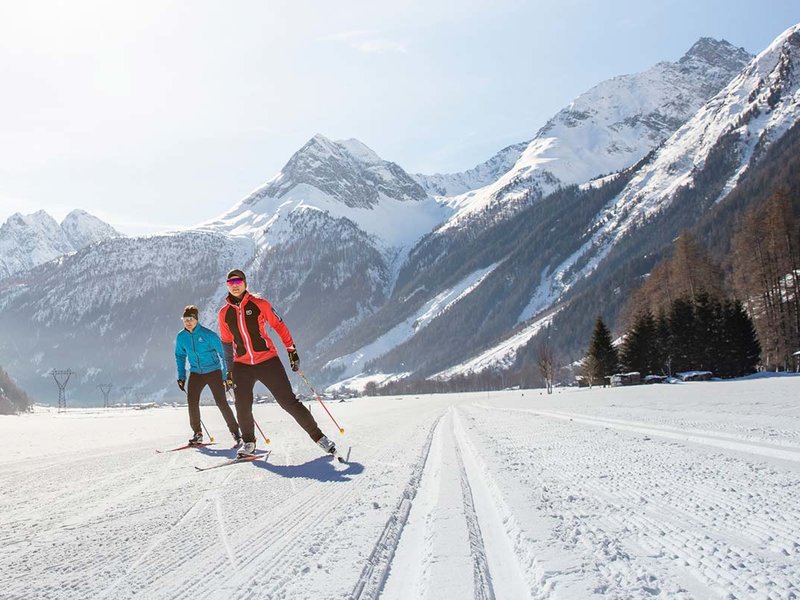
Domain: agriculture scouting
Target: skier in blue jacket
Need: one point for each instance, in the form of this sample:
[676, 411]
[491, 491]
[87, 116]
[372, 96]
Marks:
[203, 348]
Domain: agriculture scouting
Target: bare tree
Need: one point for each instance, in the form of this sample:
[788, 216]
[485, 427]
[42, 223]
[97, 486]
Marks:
[766, 268]
[547, 365]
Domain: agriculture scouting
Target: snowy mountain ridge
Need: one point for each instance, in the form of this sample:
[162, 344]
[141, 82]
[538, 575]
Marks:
[609, 128]
[755, 109]
[733, 128]
[30, 240]
[484, 174]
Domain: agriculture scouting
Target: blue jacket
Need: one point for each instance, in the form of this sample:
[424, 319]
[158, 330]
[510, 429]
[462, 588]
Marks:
[202, 347]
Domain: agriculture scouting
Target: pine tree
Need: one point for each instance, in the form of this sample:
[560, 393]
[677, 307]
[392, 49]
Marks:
[638, 352]
[682, 334]
[601, 360]
[707, 332]
[663, 347]
[741, 350]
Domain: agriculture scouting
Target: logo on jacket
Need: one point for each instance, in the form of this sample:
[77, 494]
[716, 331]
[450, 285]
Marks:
[199, 339]
[248, 312]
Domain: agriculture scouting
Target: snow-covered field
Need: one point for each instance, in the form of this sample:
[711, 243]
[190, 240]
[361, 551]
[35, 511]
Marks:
[671, 491]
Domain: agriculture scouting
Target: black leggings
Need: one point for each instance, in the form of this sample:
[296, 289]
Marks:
[197, 382]
[272, 374]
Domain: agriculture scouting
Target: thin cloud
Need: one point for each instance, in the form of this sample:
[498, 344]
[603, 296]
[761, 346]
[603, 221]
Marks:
[366, 41]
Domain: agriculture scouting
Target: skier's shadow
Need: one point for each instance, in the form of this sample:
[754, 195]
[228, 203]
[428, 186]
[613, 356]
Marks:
[223, 452]
[320, 469]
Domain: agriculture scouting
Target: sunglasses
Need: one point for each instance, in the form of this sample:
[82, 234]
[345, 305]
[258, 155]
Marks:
[188, 319]
[235, 281]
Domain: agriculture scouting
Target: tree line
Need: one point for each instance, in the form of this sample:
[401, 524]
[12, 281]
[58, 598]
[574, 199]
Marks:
[690, 314]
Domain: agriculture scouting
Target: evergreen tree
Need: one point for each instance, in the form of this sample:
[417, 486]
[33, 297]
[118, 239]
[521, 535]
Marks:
[682, 335]
[707, 332]
[740, 349]
[663, 346]
[638, 352]
[601, 360]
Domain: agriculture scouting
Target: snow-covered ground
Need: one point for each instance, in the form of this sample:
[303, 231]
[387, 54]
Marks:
[671, 491]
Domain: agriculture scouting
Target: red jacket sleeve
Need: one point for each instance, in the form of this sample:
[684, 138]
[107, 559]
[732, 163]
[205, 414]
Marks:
[224, 332]
[275, 321]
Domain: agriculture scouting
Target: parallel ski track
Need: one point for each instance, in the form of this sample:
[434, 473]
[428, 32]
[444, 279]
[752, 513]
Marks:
[191, 513]
[106, 483]
[717, 440]
[675, 529]
[511, 550]
[482, 580]
[375, 571]
[266, 549]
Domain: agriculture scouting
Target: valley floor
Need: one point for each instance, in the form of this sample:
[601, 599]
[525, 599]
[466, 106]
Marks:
[673, 491]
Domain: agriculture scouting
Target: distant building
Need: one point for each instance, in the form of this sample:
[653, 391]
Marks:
[695, 376]
[632, 378]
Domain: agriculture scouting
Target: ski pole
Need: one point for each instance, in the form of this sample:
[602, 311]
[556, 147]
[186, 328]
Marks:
[211, 437]
[341, 430]
[266, 439]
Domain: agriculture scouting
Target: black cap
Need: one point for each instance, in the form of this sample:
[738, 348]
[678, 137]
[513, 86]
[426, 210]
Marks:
[236, 274]
[191, 311]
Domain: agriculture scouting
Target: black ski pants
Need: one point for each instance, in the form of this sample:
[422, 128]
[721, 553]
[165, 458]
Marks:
[272, 374]
[197, 383]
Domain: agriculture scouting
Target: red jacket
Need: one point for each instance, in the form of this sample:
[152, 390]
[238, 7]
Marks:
[245, 325]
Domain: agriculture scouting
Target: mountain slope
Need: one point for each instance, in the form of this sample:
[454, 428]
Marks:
[687, 184]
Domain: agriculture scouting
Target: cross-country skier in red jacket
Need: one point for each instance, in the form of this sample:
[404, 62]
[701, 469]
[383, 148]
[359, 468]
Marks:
[243, 330]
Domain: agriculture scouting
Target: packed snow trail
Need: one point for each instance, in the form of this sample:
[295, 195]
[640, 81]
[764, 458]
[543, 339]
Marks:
[684, 491]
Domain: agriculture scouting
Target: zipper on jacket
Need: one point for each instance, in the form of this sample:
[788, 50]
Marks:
[243, 330]
[196, 355]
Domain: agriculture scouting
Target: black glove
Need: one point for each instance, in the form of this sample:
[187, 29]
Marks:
[294, 358]
[228, 382]
[181, 384]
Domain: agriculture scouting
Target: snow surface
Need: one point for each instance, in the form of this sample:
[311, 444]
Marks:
[671, 491]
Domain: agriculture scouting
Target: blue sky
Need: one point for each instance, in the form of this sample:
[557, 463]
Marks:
[161, 114]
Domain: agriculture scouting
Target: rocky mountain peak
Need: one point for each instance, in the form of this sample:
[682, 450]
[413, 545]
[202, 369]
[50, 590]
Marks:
[719, 53]
[83, 229]
[30, 240]
[347, 171]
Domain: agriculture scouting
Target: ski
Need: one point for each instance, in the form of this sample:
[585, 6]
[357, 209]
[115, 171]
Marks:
[185, 447]
[237, 460]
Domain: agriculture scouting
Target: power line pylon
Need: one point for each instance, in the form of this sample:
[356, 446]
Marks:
[61, 377]
[105, 388]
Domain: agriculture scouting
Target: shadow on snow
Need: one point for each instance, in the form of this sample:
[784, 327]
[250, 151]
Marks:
[322, 468]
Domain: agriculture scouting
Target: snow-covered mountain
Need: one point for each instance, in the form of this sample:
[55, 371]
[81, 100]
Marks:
[30, 240]
[83, 229]
[340, 180]
[348, 217]
[352, 250]
[609, 128]
[568, 238]
[732, 131]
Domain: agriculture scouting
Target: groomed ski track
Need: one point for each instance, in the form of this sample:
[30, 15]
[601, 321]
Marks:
[634, 493]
